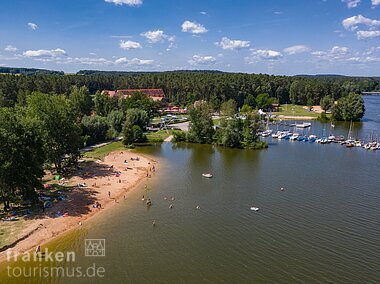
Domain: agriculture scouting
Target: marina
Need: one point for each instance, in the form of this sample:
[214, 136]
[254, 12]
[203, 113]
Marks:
[365, 134]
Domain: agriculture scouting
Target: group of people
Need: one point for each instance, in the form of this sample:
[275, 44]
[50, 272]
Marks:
[97, 205]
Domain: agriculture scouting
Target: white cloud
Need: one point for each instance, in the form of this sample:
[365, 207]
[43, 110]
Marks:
[193, 27]
[296, 49]
[366, 59]
[132, 3]
[45, 55]
[203, 13]
[230, 44]
[202, 60]
[128, 44]
[156, 36]
[134, 61]
[85, 61]
[368, 34]
[339, 50]
[32, 26]
[337, 53]
[10, 48]
[375, 2]
[264, 54]
[351, 3]
[353, 22]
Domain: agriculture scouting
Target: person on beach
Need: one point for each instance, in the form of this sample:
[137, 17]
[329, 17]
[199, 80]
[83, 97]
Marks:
[109, 194]
[38, 249]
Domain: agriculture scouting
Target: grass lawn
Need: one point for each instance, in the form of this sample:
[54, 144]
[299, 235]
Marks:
[101, 152]
[158, 136]
[295, 110]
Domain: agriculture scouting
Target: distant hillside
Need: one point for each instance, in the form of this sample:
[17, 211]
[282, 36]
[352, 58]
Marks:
[29, 71]
[99, 72]
[335, 76]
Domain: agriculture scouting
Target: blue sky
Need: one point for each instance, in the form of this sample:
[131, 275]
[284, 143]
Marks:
[255, 36]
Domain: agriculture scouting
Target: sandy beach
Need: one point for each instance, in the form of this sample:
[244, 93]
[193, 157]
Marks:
[106, 182]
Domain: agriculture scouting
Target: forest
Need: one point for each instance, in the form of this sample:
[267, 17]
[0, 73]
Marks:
[186, 87]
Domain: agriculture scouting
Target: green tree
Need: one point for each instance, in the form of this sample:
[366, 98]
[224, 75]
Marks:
[116, 119]
[229, 133]
[136, 121]
[349, 108]
[21, 157]
[263, 101]
[246, 109]
[251, 127]
[57, 123]
[201, 125]
[250, 100]
[94, 129]
[81, 101]
[327, 103]
[228, 108]
[141, 101]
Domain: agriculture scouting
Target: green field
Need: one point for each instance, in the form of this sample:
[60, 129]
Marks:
[101, 152]
[295, 110]
[158, 136]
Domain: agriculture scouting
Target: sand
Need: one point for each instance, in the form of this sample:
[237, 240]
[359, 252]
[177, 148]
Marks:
[103, 185]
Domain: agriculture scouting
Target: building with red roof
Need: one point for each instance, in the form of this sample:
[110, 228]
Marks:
[155, 94]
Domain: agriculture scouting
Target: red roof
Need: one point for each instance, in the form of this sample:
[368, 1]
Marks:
[155, 94]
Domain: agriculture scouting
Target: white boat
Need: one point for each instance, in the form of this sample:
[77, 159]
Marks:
[276, 135]
[266, 133]
[303, 125]
[207, 175]
[254, 209]
[294, 136]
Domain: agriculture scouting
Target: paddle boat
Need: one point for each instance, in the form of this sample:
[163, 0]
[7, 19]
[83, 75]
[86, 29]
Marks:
[254, 209]
[207, 175]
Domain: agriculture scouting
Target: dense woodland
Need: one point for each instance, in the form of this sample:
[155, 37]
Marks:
[184, 88]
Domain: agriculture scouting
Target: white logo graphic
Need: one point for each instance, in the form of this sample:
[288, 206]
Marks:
[95, 247]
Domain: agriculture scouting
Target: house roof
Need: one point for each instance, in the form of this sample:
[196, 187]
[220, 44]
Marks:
[155, 94]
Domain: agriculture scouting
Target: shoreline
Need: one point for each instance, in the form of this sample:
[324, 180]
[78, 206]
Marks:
[294, 117]
[108, 181]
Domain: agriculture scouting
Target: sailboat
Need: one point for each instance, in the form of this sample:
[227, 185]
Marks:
[350, 142]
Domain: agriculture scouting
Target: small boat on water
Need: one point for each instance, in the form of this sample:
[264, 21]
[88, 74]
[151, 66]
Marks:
[303, 125]
[254, 209]
[266, 133]
[294, 136]
[207, 175]
[276, 135]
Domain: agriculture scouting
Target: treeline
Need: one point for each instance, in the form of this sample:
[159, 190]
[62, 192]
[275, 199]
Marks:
[29, 71]
[184, 88]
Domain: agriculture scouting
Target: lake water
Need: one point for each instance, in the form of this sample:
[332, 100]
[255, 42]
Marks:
[323, 228]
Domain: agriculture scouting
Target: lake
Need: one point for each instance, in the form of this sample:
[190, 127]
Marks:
[323, 227]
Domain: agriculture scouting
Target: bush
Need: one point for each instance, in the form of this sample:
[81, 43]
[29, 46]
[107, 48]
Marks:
[179, 136]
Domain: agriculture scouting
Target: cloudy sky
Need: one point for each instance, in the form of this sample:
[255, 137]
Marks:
[276, 37]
